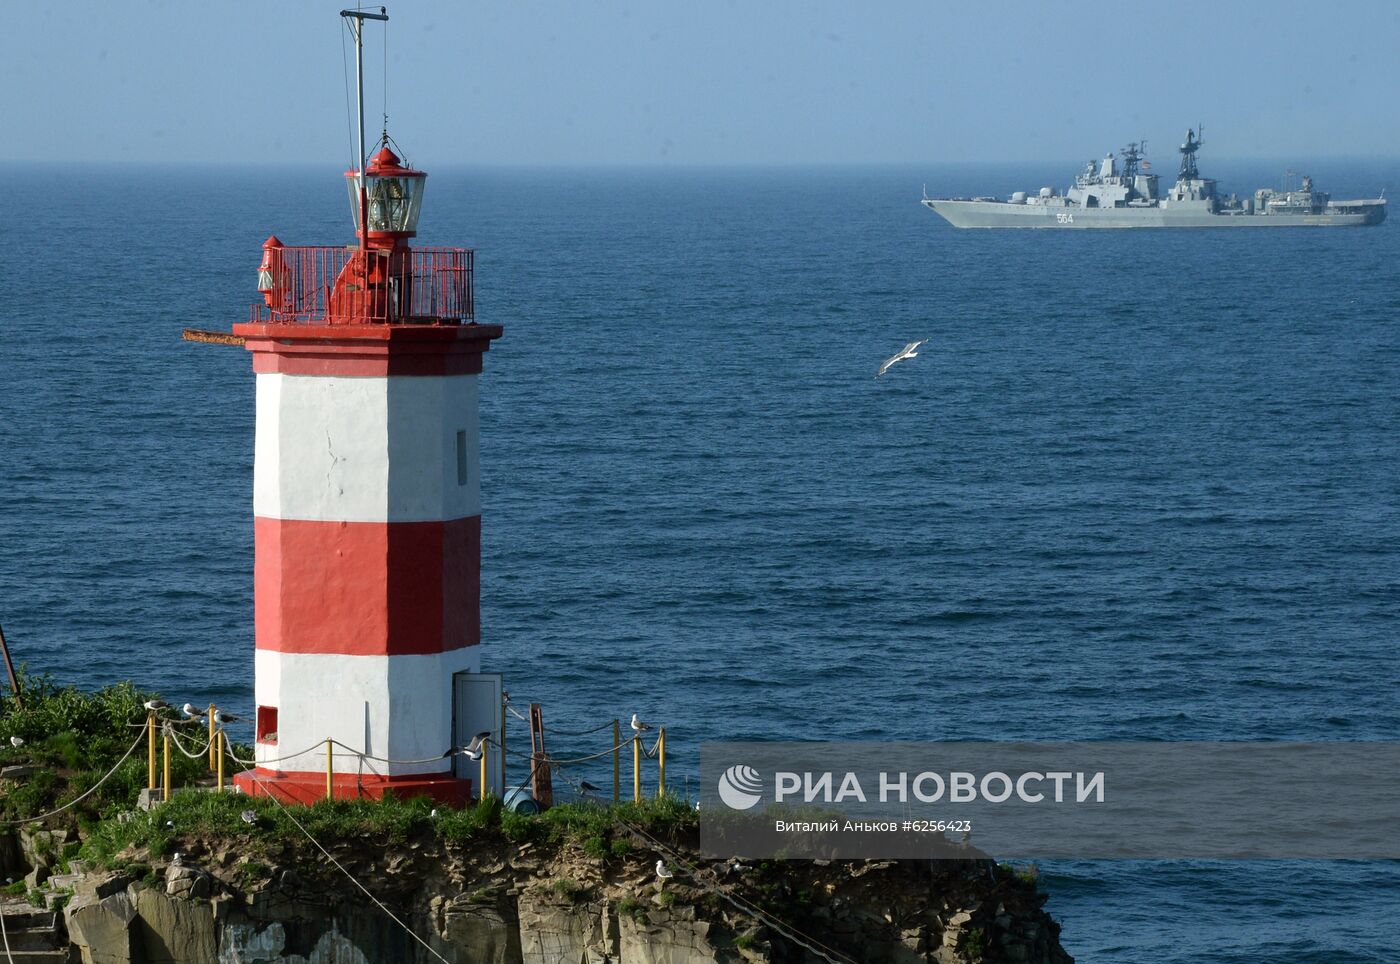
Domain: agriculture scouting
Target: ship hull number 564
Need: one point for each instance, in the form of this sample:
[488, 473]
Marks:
[1065, 218]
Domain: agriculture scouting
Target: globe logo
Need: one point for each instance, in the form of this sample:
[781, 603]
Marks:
[740, 787]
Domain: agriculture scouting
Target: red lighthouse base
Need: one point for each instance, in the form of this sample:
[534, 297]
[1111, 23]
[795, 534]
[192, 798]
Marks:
[308, 786]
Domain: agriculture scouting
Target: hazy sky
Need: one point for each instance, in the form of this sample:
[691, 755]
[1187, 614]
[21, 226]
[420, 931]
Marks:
[513, 81]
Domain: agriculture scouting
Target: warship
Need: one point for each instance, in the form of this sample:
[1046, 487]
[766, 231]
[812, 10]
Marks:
[1112, 195]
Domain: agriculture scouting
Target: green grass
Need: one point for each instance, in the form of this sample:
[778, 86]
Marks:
[389, 821]
[73, 738]
[567, 888]
[633, 908]
[975, 943]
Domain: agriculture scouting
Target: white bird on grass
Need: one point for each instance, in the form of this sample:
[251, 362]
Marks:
[910, 350]
[638, 726]
[249, 816]
[662, 872]
[16, 742]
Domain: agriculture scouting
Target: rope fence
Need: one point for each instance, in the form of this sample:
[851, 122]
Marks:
[217, 747]
[168, 737]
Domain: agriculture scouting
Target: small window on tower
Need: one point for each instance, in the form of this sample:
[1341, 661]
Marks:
[461, 458]
[267, 724]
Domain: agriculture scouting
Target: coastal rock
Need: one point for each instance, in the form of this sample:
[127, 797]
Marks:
[246, 943]
[663, 937]
[101, 929]
[41, 848]
[480, 932]
[174, 931]
[551, 931]
[189, 883]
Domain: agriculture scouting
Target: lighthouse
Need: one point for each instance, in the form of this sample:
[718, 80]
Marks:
[366, 504]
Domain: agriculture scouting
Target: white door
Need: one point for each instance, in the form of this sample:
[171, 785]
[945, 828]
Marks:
[476, 708]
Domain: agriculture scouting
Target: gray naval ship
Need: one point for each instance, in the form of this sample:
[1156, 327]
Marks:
[1110, 195]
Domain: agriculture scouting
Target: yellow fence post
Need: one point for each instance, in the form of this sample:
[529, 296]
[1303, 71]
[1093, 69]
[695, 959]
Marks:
[166, 794]
[213, 750]
[484, 787]
[637, 768]
[151, 750]
[617, 761]
[329, 770]
[219, 750]
[661, 762]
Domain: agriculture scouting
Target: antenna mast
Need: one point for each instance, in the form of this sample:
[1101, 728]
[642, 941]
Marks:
[357, 20]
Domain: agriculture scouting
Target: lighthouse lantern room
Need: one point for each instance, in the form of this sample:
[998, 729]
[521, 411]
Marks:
[366, 503]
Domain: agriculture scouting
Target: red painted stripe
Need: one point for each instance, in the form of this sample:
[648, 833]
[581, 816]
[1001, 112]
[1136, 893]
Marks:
[308, 786]
[352, 366]
[367, 588]
[369, 351]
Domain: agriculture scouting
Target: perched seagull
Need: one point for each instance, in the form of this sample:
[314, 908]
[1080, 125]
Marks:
[662, 872]
[178, 860]
[910, 350]
[433, 815]
[221, 717]
[190, 712]
[638, 726]
[249, 817]
[154, 705]
[16, 741]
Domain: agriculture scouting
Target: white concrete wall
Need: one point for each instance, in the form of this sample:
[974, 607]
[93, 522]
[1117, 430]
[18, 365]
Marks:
[396, 707]
[341, 449]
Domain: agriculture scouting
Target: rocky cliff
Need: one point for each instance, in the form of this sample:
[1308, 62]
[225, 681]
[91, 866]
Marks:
[253, 900]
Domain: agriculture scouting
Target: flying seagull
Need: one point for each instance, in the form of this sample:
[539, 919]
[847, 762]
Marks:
[585, 788]
[662, 872]
[910, 350]
[638, 726]
[476, 747]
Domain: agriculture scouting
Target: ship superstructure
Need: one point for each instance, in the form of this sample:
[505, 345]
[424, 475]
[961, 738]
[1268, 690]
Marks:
[1121, 192]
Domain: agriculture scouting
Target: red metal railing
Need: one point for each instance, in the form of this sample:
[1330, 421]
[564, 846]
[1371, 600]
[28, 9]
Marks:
[324, 285]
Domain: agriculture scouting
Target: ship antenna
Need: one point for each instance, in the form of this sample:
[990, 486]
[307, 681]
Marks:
[357, 20]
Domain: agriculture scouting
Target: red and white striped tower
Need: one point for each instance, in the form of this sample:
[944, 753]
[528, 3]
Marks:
[366, 499]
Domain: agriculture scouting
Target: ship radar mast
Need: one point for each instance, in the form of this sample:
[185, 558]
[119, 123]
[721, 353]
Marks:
[1132, 155]
[1194, 140]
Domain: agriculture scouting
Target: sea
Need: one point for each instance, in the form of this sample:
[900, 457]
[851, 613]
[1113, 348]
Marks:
[1139, 485]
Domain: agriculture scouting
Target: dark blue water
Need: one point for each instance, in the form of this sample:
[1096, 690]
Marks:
[1139, 485]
